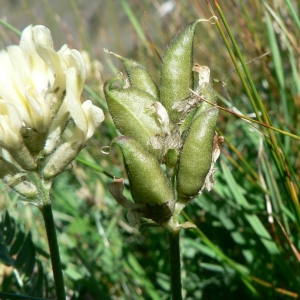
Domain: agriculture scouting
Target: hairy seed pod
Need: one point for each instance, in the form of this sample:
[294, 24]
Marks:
[148, 183]
[130, 111]
[187, 122]
[138, 76]
[196, 155]
[208, 94]
[176, 71]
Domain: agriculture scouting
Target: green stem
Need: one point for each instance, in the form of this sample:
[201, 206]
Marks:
[174, 254]
[46, 210]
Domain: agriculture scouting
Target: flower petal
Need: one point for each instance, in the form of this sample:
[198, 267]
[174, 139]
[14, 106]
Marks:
[10, 125]
[73, 59]
[43, 44]
[38, 68]
[94, 116]
[24, 82]
[73, 100]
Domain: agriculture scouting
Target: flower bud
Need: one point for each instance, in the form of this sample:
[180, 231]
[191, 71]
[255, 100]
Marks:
[25, 188]
[176, 70]
[12, 176]
[23, 157]
[56, 129]
[196, 156]
[7, 170]
[61, 158]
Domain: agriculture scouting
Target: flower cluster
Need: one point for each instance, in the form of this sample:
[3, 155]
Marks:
[169, 143]
[40, 93]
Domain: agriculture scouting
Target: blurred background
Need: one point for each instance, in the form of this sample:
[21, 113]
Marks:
[239, 249]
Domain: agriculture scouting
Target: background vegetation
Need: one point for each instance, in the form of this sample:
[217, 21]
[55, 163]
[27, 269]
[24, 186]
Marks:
[248, 226]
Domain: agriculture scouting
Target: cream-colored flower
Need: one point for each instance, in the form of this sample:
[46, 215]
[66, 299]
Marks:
[40, 91]
[24, 81]
[35, 78]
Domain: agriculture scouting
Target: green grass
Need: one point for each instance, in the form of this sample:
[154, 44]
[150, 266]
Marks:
[239, 249]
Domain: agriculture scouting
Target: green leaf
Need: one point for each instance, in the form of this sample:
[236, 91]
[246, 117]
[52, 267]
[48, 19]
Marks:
[10, 228]
[5, 257]
[37, 287]
[253, 220]
[25, 253]
[17, 244]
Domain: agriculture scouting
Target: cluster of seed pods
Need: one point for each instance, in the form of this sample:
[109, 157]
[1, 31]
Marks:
[168, 141]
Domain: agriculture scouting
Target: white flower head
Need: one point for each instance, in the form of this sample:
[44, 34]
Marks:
[24, 81]
[40, 90]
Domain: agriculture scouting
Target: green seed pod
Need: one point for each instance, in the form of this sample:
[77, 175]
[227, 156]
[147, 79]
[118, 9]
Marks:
[187, 122]
[176, 70]
[148, 183]
[196, 156]
[208, 94]
[138, 76]
[130, 111]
